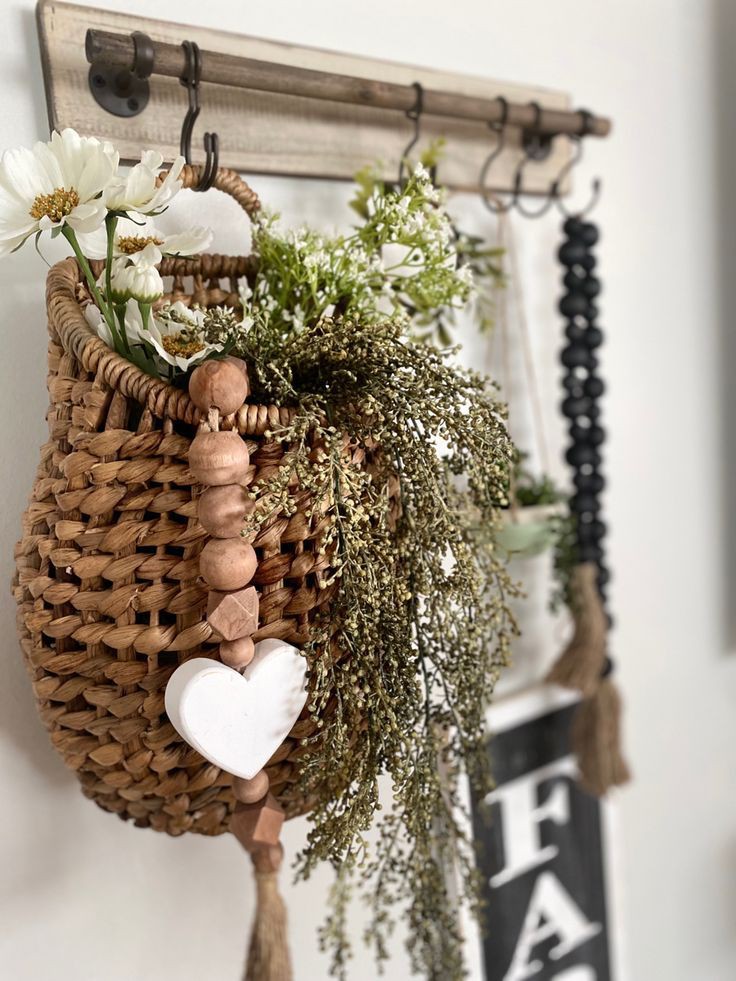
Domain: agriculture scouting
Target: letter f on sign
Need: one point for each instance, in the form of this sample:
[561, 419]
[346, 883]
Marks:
[522, 814]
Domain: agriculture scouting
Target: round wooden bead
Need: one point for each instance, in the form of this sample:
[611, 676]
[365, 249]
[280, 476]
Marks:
[218, 458]
[240, 365]
[237, 653]
[219, 385]
[222, 510]
[227, 563]
[251, 791]
[267, 858]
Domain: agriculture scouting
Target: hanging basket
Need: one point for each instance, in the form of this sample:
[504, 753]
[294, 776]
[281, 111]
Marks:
[109, 596]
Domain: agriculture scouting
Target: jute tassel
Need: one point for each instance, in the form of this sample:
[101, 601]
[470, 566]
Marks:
[268, 954]
[596, 740]
[580, 664]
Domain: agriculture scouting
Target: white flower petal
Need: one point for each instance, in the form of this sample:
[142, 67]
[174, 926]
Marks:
[191, 242]
[147, 257]
[11, 243]
[93, 244]
[152, 159]
[99, 325]
[170, 186]
[23, 175]
[87, 217]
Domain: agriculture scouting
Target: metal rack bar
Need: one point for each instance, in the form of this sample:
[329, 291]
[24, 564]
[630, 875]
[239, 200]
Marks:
[119, 51]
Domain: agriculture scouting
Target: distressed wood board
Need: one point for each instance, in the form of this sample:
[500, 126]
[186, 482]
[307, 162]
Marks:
[269, 133]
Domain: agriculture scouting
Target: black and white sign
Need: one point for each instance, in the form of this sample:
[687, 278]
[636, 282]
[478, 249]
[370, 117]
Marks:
[541, 858]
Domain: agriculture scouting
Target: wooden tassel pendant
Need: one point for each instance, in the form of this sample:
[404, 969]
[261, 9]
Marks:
[580, 664]
[596, 740]
[268, 953]
[256, 824]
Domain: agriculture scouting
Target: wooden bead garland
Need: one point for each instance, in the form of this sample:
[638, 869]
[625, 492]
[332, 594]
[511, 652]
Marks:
[221, 510]
[259, 824]
[237, 653]
[251, 791]
[221, 385]
[233, 615]
[218, 458]
[228, 563]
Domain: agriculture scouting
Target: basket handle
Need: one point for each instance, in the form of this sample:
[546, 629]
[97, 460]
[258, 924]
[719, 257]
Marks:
[227, 181]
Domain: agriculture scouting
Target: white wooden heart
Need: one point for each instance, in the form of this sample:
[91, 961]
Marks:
[235, 721]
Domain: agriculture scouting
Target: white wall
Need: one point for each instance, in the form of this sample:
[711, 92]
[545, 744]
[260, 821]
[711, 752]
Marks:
[84, 896]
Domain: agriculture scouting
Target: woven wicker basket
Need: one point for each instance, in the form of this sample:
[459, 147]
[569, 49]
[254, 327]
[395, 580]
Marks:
[109, 597]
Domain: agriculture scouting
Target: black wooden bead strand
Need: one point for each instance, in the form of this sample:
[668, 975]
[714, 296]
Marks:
[584, 664]
[583, 388]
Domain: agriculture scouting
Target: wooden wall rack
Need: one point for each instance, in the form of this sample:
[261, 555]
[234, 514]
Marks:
[297, 111]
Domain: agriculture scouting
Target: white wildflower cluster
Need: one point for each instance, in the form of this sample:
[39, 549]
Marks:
[402, 261]
[71, 186]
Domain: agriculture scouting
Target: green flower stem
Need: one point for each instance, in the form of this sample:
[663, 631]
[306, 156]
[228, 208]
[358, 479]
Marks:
[119, 315]
[111, 222]
[70, 236]
[145, 309]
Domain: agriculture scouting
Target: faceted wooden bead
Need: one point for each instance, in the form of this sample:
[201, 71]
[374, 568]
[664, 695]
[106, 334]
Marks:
[259, 824]
[218, 458]
[222, 510]
[251, 791]
[227, 563]
[238, 653]
[220, 385]
[233, 615]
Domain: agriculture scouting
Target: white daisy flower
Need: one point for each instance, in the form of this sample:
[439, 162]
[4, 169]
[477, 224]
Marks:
[134, 330]
[134, 233]
[93, 316]
[136, 276]
[177, 335]
[55, 184]
[140, 190]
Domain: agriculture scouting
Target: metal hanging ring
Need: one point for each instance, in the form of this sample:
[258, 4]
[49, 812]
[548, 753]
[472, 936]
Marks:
[190, 80]
[537, 147]
[577, 156]
[494, 205]
[415, 115]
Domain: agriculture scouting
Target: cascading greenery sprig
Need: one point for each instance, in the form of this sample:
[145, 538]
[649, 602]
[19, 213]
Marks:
[423, 626]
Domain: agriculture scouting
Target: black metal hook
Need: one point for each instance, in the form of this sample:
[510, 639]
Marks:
[577, 156]
[190, 80]
[415, 115]
[537, 147]
[498, 126]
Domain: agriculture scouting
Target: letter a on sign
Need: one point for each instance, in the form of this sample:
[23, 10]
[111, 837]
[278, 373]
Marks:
[551, 913]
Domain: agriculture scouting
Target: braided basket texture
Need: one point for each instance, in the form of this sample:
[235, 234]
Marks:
[109, 596]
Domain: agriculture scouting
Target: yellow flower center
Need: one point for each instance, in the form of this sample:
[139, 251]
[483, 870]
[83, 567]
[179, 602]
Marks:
[57, 205]
[130, 244]
[181, 345]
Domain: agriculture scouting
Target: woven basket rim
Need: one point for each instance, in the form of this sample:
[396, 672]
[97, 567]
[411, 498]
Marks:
[161, 398]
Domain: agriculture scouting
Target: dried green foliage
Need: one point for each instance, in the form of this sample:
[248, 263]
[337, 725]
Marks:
[421, 611]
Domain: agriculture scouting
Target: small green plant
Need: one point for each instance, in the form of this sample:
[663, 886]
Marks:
[530, 491]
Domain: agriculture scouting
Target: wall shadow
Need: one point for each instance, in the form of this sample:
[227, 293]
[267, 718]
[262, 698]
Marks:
[724, 210]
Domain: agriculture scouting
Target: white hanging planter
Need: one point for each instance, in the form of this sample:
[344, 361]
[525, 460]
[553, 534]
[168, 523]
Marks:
[529, 531]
